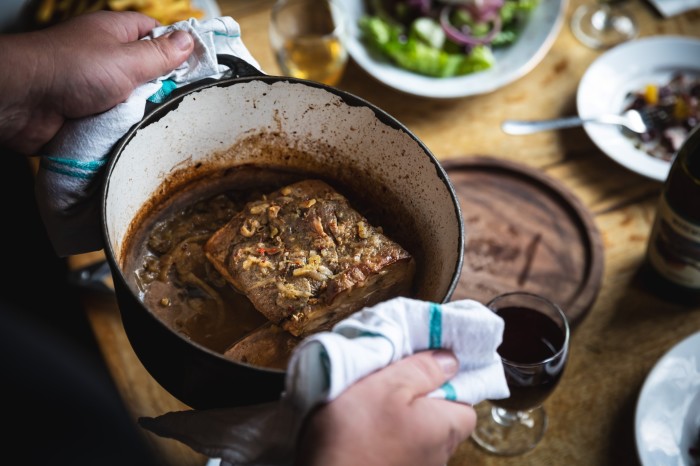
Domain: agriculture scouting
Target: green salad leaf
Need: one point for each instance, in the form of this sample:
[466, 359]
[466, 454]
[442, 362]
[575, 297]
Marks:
[418, 53]
[422, 45]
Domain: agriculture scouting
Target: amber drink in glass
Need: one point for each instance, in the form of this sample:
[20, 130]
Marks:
[308, 38]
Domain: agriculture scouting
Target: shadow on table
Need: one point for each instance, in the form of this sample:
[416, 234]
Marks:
[652, 325]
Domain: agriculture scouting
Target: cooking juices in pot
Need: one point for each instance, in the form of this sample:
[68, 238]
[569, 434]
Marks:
[179, 284]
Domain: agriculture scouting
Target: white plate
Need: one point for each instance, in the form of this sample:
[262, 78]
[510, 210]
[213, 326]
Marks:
[512, 62]
[627, 68]
[667, 421]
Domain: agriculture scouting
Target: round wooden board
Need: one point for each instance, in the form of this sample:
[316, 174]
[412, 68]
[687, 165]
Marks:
[524, 231]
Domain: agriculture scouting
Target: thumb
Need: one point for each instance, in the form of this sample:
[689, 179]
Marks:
[420, 373]
[161, 55]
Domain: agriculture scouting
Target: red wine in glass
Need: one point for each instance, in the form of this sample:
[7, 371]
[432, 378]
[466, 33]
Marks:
[530, 338]
[533, 353]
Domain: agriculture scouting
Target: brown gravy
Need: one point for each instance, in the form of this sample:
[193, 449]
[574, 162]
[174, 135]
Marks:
[167, 267]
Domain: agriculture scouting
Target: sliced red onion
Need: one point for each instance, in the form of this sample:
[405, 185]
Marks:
[423, 6]
[483, 10]
[460, 37]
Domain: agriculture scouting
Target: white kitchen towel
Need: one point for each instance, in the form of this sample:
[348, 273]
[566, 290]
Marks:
[72, 163]
[327, 363]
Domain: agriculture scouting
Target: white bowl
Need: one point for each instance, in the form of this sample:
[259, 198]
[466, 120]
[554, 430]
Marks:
[624, 69]
[512, 62]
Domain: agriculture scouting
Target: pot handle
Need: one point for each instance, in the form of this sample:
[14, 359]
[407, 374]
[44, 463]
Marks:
[238, 68]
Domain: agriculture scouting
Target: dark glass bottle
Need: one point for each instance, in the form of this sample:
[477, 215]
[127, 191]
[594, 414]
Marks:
[673, 252]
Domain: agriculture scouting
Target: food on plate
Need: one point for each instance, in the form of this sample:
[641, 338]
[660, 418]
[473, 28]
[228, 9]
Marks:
[249, 271]
[675, 109]
[443, 38]
[165, 11]
[307, 259]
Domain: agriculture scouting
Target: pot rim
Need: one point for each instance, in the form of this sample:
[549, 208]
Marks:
[347, 97]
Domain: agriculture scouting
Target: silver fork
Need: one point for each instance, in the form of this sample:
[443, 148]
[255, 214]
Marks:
[633, 120]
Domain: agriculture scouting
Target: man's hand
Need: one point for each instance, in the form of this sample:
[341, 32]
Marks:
[386, 419]
[78, 68]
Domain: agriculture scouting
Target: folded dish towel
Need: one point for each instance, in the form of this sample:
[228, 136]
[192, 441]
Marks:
[325, 364]
[72, 163]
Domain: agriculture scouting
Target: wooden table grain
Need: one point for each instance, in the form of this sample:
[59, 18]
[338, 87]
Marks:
[627, 329]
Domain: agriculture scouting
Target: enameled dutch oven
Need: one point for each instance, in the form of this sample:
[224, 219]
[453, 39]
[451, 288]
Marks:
[246, 118]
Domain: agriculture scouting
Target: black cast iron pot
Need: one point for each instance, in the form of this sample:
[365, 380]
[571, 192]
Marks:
[249, 119]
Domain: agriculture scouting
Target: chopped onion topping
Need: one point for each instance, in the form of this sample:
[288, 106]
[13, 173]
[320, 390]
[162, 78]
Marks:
[463, 38]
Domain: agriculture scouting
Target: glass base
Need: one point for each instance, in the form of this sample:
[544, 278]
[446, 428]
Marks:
[508, 433]
[602, 26]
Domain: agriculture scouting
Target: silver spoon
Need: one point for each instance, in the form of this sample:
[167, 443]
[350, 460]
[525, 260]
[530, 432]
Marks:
[631, 119]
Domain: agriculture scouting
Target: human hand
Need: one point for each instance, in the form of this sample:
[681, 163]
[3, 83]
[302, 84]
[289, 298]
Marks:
[78, 68]
[386, 419]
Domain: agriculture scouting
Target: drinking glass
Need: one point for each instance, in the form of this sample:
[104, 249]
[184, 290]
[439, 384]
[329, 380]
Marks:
[534, 351]
[308, 38]
[603, 25]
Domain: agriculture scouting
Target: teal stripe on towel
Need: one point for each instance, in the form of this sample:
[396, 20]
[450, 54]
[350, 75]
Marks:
[234, 36]
[366, 333]
[90, 165]
[326, 364]
[74, 174]
[72, 168]
[167, 87]
[435, 326]
[450, 392]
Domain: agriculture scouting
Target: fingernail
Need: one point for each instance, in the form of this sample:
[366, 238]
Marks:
[447, 362]
[181, 39]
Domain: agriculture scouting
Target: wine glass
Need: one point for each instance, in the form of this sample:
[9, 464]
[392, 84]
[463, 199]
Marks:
[534, 352]
[308, 38]
[603, 24]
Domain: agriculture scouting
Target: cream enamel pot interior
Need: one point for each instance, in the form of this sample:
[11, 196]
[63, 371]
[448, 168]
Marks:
[215, 129]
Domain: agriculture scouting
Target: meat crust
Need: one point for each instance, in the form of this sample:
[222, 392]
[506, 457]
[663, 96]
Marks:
[306, 258]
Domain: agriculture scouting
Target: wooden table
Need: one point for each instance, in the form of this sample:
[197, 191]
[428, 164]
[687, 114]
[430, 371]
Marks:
[627, 329]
